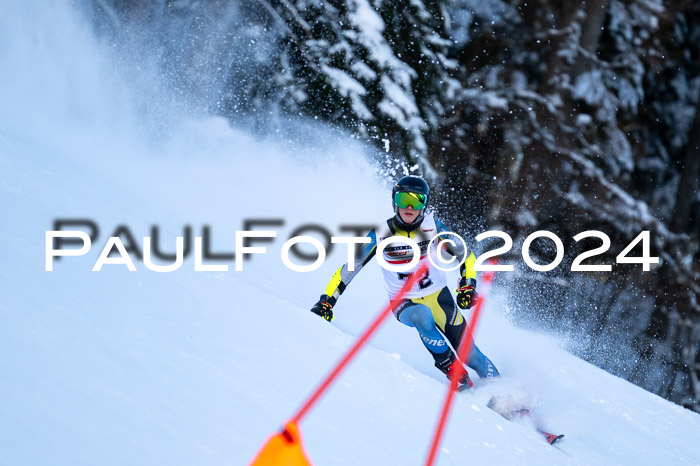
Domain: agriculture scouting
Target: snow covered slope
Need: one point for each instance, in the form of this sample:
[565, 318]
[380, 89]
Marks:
[121, 367]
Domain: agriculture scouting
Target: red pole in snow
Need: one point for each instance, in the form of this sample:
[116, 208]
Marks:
[412, 279]
[465, 349]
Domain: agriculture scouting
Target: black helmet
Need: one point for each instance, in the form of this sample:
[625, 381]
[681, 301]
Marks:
[410, 184]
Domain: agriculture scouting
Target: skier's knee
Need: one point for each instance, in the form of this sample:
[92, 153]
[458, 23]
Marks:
[422, 319]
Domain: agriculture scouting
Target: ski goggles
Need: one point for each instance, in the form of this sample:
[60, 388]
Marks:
[415, 200]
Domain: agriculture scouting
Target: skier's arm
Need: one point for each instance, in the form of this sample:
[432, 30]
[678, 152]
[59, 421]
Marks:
[467, 282]
[343, 276]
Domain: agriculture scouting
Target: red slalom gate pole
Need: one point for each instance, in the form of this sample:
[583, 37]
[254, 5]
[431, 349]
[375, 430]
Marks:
[463, 355]
[285, 447]
[358, 344]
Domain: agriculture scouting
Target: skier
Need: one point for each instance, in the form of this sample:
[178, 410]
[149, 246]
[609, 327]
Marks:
[429, 306]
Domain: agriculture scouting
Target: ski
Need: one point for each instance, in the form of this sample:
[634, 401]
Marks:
[513, 414]
[551, 438]
[463, 387]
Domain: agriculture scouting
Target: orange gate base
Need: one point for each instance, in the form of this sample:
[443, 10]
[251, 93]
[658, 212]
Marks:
[283, 449]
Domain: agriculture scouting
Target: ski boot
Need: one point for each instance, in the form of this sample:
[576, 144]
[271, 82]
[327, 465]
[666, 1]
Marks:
[447, 363]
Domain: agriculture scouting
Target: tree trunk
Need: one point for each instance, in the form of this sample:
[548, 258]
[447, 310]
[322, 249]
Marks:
[683, 216]
[589, 16]
[591, 29]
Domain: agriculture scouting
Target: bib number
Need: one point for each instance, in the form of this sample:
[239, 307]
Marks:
[424, 282]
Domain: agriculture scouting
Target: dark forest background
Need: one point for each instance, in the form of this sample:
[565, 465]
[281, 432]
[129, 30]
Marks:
[524, 115]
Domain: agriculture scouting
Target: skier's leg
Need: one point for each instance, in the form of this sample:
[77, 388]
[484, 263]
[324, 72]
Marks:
[481, 364]
[455, 327]
[420, 317]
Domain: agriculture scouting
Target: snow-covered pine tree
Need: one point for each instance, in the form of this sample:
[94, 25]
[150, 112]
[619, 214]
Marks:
[379, 68]
[578, 116]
